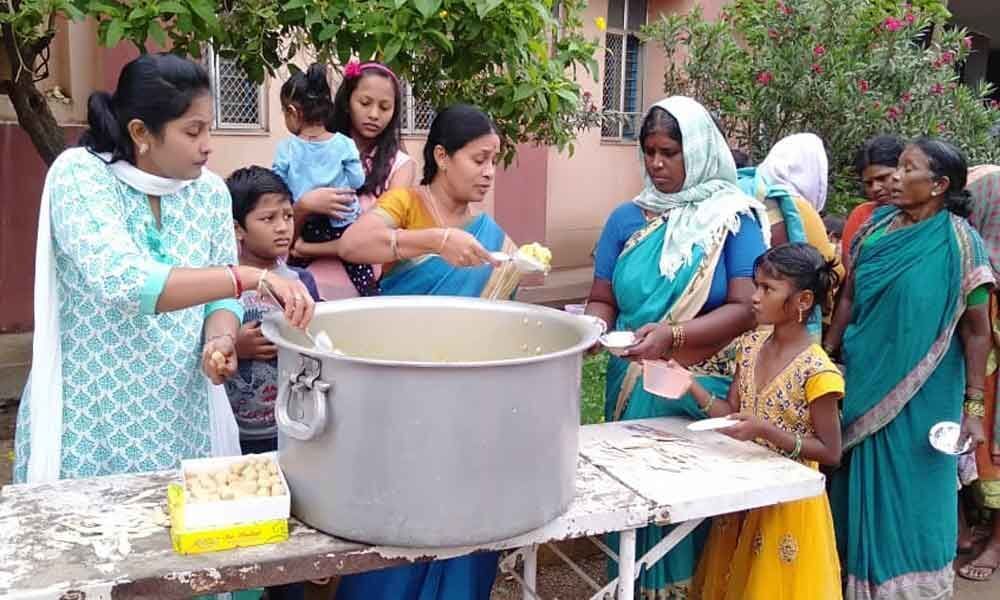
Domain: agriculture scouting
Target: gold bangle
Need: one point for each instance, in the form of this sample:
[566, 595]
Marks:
[678, 337]
[394, 244]
[974, 394]
[708, 405]
[262, 280]
[975, 408]
[444, 239]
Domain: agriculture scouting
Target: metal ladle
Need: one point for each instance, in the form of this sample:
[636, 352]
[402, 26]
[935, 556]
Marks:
[321, 341]
[522, 263]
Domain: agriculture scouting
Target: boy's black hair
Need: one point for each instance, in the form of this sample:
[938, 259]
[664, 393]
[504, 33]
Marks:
[248, 184]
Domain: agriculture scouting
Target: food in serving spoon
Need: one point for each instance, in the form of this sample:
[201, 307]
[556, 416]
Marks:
[537, 253]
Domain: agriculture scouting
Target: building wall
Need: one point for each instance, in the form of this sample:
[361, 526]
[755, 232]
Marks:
[545, 195]
[584, 188]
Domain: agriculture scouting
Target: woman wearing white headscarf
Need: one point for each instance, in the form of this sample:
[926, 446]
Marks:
[792, 184]
[675, 264]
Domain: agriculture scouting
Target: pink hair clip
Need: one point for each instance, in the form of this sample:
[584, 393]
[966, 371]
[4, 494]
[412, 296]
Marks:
[352, 69]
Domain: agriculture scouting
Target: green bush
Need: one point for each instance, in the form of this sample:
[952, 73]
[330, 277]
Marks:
[843, 70]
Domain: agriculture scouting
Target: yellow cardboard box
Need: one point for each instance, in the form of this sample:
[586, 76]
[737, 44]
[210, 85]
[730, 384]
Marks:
[214, 526]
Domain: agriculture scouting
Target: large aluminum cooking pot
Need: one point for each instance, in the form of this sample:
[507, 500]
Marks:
[436, 421]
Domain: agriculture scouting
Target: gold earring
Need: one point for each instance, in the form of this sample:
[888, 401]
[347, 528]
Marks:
[143, 149]
[801, 311]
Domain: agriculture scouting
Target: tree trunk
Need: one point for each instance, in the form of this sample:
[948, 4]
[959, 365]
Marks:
[31, 106]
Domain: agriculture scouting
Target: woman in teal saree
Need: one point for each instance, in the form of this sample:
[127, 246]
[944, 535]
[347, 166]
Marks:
[676, 265]
[913, 330]
[435, 245]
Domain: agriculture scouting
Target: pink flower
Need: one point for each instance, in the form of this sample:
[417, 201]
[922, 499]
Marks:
[941, 128]
[967, 42]
[785, 9]
[910, 18]
[352, 69]
[892, 24]
[893, 113]
[765, 78]
[817, 69]
[937, 89]
[819, 50]
[772, 33]
[864, 86]
[906, 97]
[995, 104]
[947, 57]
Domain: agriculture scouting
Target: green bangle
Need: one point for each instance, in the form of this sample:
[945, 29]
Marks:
[794, 454]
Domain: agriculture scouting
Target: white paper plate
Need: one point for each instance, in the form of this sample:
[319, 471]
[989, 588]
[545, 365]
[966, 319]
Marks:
[944, 438]
[709, 424]
[617, 339]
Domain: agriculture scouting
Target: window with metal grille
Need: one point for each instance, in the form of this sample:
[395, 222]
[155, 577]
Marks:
[416, 115]
[623, 69]
[240, 104]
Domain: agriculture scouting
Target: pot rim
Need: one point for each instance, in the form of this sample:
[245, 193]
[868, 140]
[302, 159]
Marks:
[589, 328]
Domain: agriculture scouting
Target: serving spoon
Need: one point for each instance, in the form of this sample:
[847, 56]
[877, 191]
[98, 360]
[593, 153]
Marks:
[321, 341]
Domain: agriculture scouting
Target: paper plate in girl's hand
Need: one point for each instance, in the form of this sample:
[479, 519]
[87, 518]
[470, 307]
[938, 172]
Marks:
[667, 379]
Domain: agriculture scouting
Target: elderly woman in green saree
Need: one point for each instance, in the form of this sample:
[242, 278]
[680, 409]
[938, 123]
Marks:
[913, 330]
[675, 264]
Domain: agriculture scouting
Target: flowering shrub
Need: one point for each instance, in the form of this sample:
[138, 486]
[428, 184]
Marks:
[843, 70]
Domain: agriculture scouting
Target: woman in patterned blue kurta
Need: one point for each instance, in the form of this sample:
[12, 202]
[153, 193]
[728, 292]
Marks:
[134, 237]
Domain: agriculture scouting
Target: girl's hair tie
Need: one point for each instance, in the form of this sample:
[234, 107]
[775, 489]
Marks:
[354, 69]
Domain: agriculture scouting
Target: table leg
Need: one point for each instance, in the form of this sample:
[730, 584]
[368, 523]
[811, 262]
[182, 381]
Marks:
[530, 586]
[626, 565]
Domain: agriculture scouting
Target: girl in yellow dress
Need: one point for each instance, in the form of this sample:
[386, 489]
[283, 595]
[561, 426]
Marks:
[784, 395]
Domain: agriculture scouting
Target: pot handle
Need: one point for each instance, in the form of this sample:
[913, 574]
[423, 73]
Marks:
[304, 385]
[601, 323]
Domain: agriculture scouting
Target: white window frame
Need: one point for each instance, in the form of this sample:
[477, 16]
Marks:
[212, 65]
[408, 119]
[625, 32]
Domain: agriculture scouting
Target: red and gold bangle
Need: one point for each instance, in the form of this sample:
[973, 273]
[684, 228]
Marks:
[234, 274]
